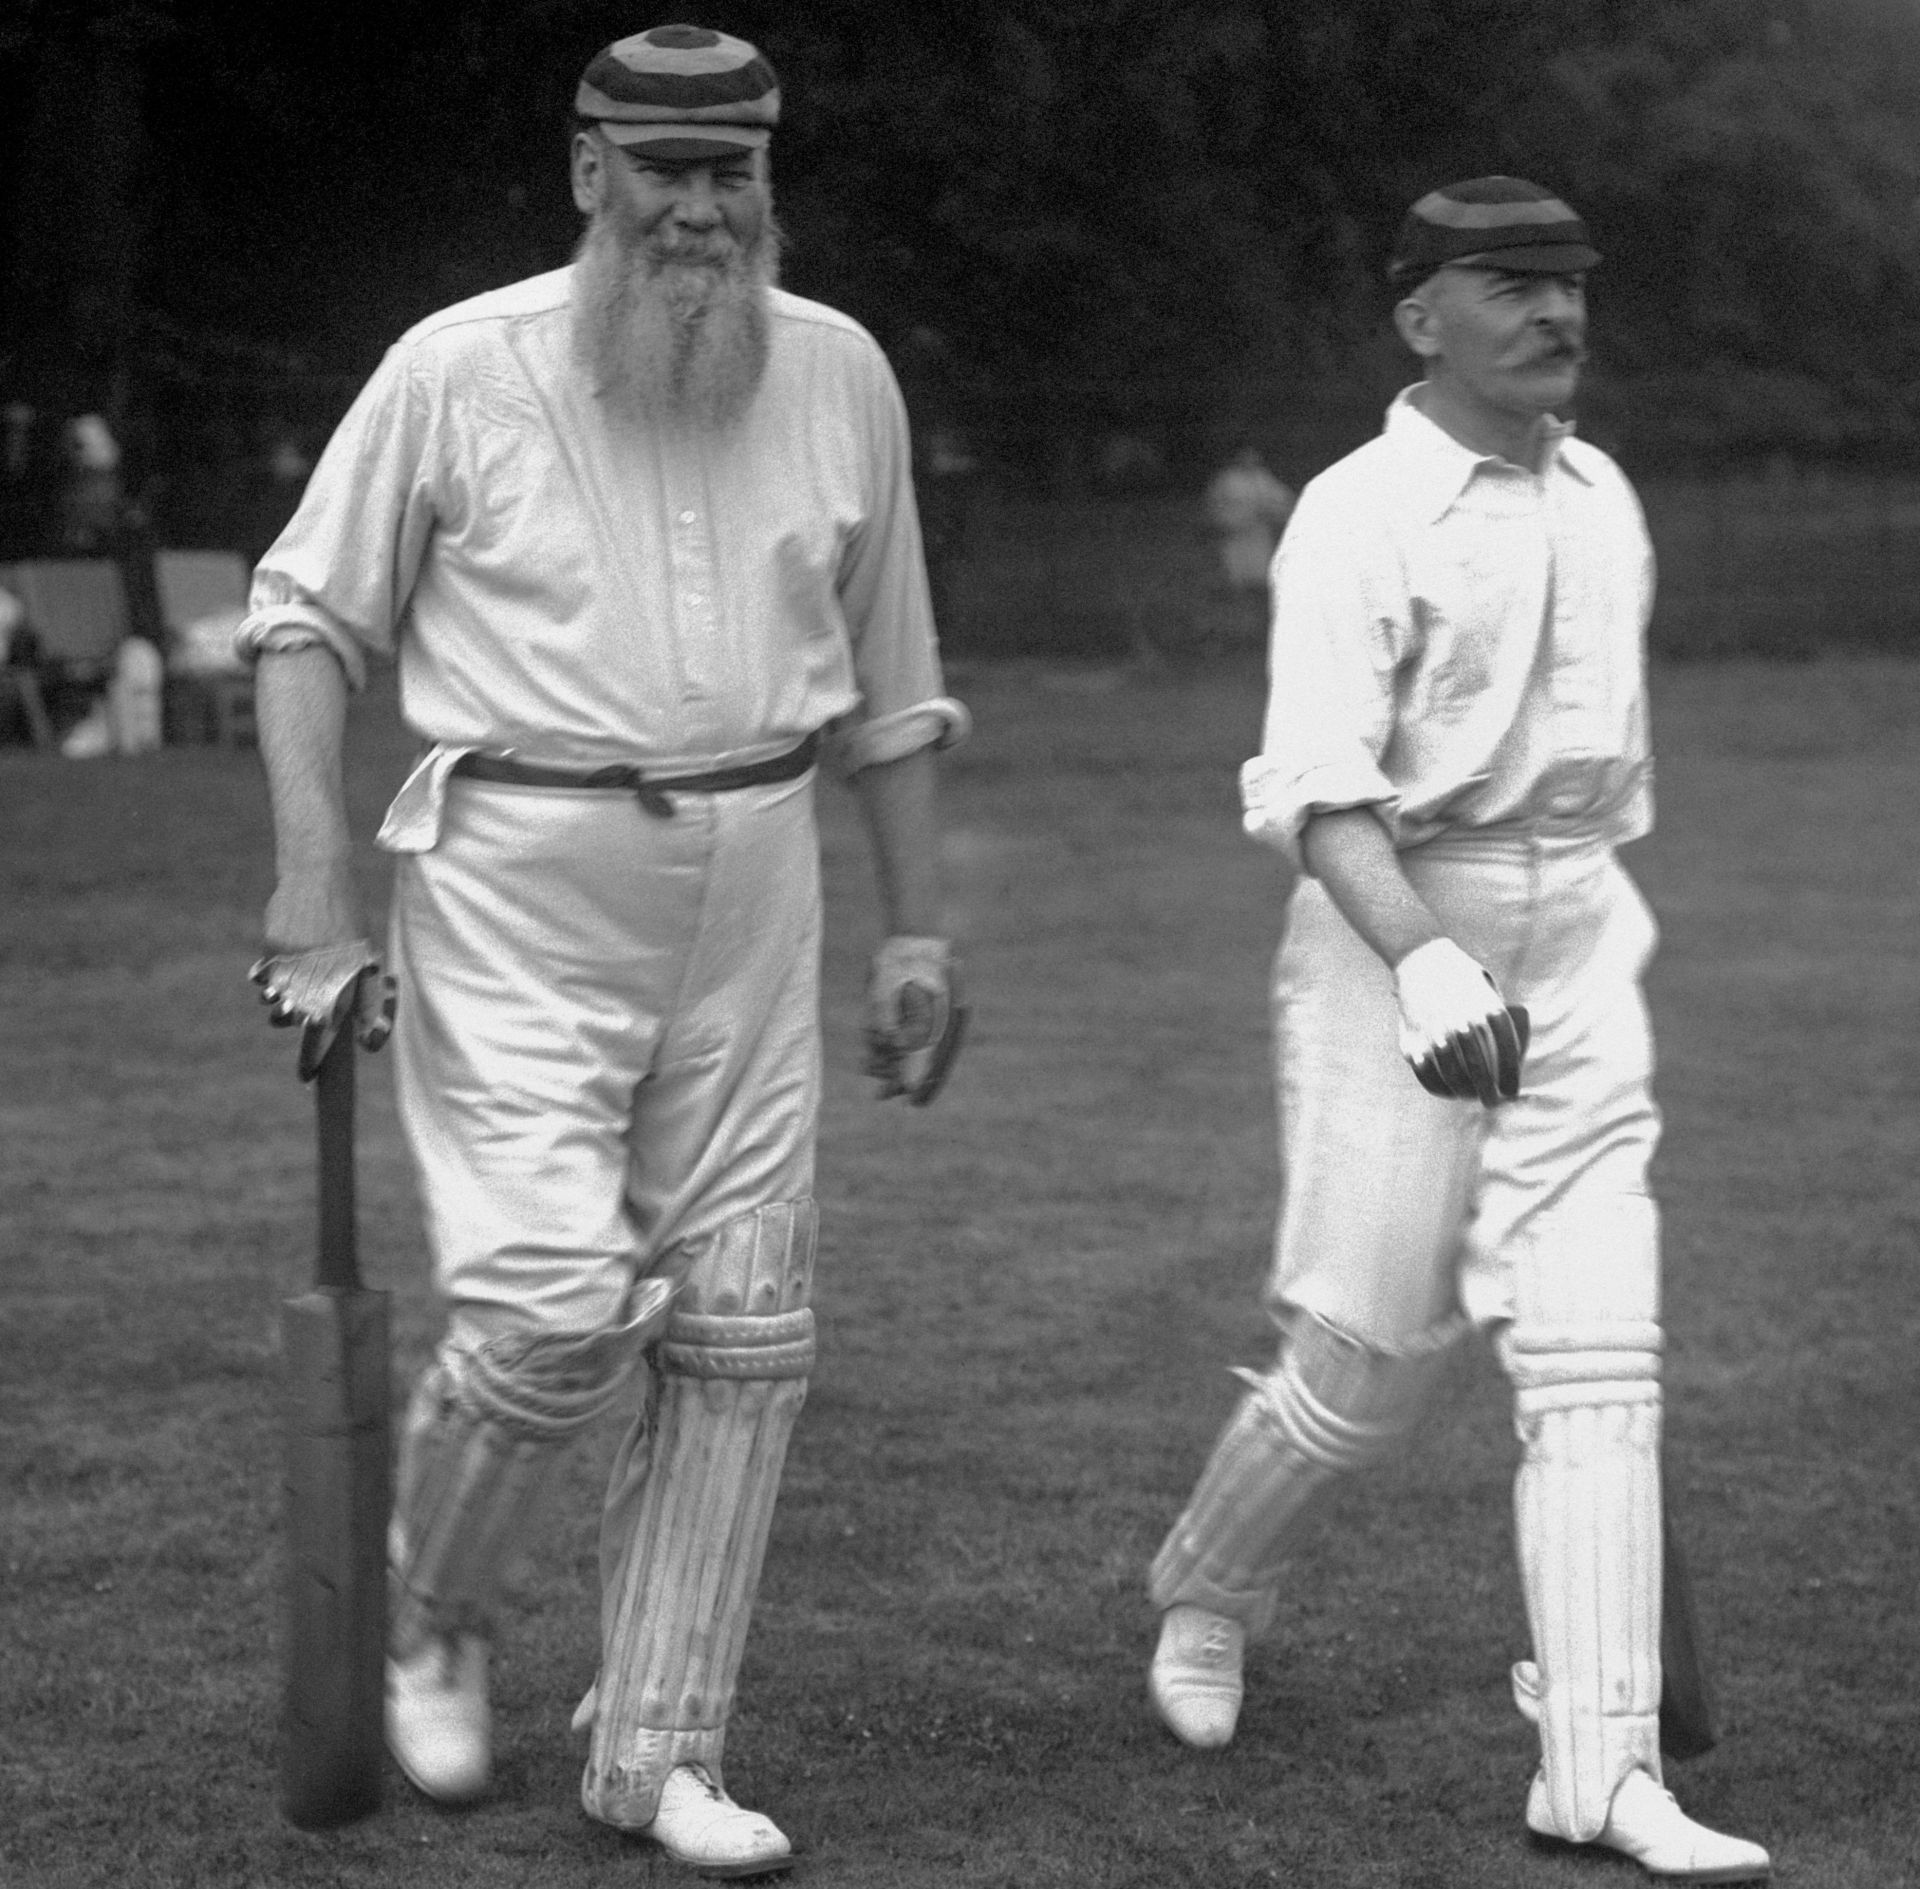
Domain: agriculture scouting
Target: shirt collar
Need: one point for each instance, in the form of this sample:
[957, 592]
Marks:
[1441, 467]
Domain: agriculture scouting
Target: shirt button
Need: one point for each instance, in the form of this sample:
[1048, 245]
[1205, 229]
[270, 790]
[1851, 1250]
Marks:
[687, 518]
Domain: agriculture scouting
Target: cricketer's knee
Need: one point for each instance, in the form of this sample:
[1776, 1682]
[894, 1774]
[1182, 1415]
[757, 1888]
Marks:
[1587, 1525]
[1332, 1402]
[478, 1447]
[689, 1508]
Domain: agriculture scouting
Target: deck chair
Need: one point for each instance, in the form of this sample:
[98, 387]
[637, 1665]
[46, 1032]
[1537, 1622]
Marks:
[77, 611]
[77, 608]
[203, 596]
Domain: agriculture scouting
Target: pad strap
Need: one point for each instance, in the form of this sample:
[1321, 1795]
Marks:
[1343, 1403]
[552, 1384]
[713, 1345]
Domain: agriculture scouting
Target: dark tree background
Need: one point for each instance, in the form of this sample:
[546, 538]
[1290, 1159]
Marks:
[1066, 218]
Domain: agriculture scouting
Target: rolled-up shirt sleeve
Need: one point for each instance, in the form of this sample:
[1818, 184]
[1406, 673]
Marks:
[341, 572]
[1336, 642]
[884, 595]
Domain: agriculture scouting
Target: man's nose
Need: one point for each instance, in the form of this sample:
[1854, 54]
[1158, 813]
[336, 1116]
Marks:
[1559, 307]
[696, 203]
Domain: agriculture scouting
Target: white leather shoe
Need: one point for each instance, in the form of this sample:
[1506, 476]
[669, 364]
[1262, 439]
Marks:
[1195, 1677]
[699, 1825]
[1645, 1823]
[439, 1728]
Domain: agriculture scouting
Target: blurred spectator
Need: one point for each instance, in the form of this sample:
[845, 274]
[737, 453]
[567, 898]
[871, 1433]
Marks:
[1247, 508]
[96, 517]
[93, 503]
[261, 489]
[287, 469]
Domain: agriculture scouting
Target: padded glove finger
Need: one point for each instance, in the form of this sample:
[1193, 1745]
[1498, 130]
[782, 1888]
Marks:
[917, 1072]
[1512, 1030]
[1482, 1065]
[1480, 1051]
[923, 1072]
[379, 998]
[1450, 1061]
[1492, 1053]
[1453, 1027]
[914, 1018]
[318, 991]
[1426, 1071]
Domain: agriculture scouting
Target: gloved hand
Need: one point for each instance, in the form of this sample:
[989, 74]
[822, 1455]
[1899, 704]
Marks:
[1462, 1040]
[319, 990]
[914, 1017]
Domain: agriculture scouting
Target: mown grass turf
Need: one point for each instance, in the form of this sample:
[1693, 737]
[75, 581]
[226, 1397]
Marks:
[1028, 1296]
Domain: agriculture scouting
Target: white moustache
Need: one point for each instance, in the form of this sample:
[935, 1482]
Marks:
[693, 255]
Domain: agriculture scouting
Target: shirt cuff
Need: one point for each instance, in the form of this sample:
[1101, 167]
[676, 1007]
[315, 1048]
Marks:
[938, 723]
[1280, 800]
[288, 626]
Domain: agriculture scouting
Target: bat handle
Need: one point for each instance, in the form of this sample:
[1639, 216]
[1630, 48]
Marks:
[339, 1265]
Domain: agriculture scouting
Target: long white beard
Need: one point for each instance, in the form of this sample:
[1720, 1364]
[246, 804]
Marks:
[672, 338]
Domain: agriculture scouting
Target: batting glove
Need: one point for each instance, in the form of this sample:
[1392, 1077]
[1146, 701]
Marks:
[1463, 1042]
[318, 991]
[914, 1018]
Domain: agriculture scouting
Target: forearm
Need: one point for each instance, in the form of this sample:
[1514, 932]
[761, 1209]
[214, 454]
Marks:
[300, 709]
[1349, 852]
[898, 801]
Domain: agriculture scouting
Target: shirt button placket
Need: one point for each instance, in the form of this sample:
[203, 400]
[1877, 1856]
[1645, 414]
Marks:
[693, 595]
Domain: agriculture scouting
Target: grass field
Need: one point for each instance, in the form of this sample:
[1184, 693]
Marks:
[1028, 1296]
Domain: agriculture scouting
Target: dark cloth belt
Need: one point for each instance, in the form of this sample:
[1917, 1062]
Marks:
[654, 791]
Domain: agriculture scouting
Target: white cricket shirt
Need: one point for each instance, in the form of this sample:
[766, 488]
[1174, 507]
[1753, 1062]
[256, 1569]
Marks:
[1458, 643]
[581, 591]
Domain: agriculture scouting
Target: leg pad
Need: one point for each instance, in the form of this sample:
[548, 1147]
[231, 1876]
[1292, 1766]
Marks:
[693, 1504]
[1587, 1520]
[478, 1449]
[1332, 1403]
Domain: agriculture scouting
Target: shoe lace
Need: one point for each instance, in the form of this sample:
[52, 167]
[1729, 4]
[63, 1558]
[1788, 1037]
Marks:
[1217, 1641]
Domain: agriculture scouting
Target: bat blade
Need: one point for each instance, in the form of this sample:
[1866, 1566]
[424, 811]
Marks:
[1689, 1719]
[337, 1500]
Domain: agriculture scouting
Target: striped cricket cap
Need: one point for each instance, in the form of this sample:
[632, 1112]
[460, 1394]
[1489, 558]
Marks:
[1503, 222]
[685, 92]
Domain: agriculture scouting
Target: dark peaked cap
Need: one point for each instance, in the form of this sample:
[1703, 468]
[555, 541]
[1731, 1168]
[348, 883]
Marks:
[1504, 222]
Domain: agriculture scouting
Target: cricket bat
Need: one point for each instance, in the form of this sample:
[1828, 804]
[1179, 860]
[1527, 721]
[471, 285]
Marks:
[337, 1498]
[1688, 1718]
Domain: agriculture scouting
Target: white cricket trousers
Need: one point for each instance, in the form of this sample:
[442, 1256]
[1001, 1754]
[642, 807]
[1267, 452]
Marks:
[608, 1038]
[1400, 1210]
[608, 1068]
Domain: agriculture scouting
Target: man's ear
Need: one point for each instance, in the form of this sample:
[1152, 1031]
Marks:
[589, 170]
[1418, 326]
